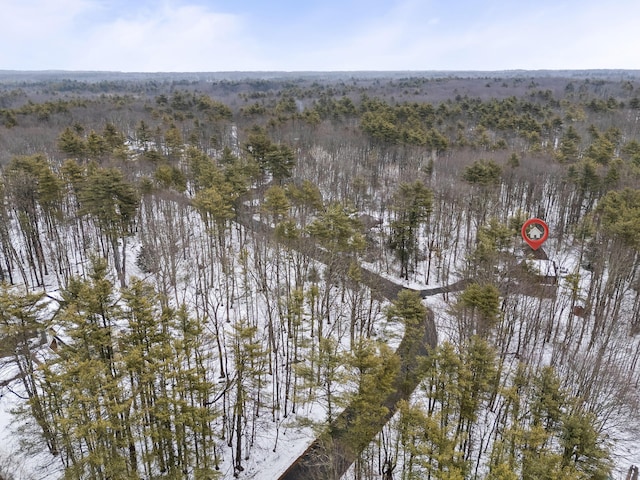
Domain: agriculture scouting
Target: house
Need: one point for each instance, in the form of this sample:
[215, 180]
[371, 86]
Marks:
[368, 221]
[545, 271]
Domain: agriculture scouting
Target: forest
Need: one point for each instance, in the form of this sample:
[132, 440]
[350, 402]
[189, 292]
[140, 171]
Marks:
[201, 275]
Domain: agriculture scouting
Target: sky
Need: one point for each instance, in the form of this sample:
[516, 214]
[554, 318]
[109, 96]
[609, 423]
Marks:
[314, 35]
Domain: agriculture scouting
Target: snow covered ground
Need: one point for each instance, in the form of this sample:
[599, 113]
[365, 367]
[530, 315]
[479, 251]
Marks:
[277, 443]
[265, 461]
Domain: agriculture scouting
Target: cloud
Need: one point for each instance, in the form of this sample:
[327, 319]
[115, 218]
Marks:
[492, 36]
[408, 37]
[40, 18]
[172, 38]
[561, 36]
[97, 35]
[35, 31]
[191, 35]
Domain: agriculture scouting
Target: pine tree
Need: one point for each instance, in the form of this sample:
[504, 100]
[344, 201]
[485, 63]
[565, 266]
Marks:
[411, 207]
[174, 143]
[277, 160]
[374, 369]
[409, 310]
[306, 200]
[280, 161]
[483, 172]
[22, 324]
[111, 202]
[276, 203]
[340, 236]
[85, 383]
[72, 144]
[96, 145]
[478, 309]
[129, 393]
[250, 361]
[37, 198]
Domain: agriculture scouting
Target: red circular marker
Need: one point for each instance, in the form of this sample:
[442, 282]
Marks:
[535, 232]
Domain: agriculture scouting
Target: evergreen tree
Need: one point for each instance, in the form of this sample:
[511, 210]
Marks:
[483, 172]
[84, 383]
[112, 203]
[250, 361]
[96, 145]
[23, 325]
[374, 370]
[411, 208]
[620, 214]
[174, 143]
[71, 144]
[409, 310]
[129, 394]
[36, 196]
[478, 309]
[276, 203]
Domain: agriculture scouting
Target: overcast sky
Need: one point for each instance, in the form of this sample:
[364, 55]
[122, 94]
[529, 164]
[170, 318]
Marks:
[303, 35]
